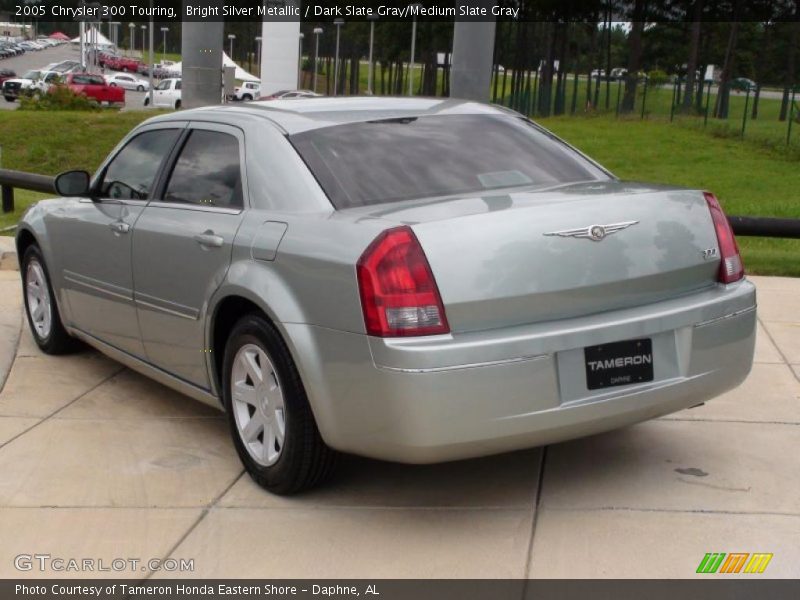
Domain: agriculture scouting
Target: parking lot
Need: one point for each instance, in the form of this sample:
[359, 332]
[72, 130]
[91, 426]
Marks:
[100, 462]
[36, 60]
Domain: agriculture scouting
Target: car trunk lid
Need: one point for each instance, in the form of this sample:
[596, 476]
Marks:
[508, 259]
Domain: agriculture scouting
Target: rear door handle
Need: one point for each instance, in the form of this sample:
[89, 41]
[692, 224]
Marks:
[119, 227]
[209, 239]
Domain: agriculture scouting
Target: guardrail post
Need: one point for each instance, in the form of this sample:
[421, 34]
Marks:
[791, 117]
[8, 199]
[746, 106]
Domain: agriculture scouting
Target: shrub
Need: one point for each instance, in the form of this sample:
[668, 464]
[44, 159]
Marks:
[59, 97]
[656, 78]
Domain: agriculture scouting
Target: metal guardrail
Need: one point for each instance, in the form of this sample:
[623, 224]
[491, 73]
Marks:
[26, 181]
[744, 226]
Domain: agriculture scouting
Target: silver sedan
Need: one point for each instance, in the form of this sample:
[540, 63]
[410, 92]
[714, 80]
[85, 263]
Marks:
[128, 82]
[414, 280]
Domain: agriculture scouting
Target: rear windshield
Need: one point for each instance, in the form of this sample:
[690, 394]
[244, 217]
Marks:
[88, 80]
[375, 162]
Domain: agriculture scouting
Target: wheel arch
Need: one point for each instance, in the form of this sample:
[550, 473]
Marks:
[224, 312]
[25, 239]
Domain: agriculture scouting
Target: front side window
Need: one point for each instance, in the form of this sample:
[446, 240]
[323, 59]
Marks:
[132, 172]
[389, 160]
[164, 85]
[207, 172]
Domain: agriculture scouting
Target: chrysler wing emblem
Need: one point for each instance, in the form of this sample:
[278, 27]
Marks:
[596, 233]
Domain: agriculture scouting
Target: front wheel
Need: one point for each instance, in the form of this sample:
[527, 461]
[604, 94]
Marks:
[247, 98]
[9, 98]
[140, 88]
[271, 422]
[40, 306]
[177, 104]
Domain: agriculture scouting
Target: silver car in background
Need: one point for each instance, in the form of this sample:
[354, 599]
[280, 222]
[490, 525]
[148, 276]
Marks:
[415, 280]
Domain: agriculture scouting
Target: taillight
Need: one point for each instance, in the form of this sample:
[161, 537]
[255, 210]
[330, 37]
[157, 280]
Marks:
[398, 292]
[731, 268]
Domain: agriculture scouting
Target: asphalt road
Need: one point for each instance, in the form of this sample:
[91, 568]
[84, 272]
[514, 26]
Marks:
[37, 60]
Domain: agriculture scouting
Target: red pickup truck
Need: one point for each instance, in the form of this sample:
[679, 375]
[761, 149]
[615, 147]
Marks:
[95, 88]
[121, 63]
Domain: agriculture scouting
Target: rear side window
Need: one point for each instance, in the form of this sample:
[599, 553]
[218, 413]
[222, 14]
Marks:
[375, 162]
[88, 80]
[130, 175]
[207, 172]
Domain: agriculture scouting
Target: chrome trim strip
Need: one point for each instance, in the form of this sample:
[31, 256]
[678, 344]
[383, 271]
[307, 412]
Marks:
[148, 370]
[198, 207]
[492, 363]
[98, 286]
[193, 316]
[729, 316]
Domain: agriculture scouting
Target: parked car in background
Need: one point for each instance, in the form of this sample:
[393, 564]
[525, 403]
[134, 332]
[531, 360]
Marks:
[166, 94]
[65, 66]
[249, 90]
[493, 291]
[6, 74]
[619, 73]
[290, 94]
[742, 84]
[30, 82]
[129, 82]
[122, 63]
[95, 88]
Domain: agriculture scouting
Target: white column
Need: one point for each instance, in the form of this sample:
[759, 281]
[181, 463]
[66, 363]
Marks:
[280, 54]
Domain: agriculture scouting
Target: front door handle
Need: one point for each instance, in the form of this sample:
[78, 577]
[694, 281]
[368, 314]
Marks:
[119, 227]
[209, 239]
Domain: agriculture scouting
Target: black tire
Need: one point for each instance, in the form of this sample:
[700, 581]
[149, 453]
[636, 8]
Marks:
[147, 101]
[9, 98]
[247, 98]
[304, 460]
[177, 104]
[57, 341]
[140, 88]
[112, 84]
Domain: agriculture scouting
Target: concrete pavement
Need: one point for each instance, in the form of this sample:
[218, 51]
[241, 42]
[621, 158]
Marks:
[99, 462]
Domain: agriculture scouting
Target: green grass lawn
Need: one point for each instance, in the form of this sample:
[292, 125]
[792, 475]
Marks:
[749, 179]
[51, 142]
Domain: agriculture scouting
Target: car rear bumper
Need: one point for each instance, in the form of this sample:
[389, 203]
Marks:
[440, 398]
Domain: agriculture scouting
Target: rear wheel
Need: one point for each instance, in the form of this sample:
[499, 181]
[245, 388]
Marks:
[247, 98]
[40, 306]
[140, 88]
[271, 422]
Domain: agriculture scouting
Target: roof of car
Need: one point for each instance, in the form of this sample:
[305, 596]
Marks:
[296, 116]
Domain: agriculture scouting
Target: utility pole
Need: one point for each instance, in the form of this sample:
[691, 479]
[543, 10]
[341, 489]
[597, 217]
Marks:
[413, 48]
[371, 70]
[338, 23]
[317, 33]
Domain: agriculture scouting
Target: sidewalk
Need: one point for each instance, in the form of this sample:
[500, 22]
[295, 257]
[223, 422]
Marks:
[97, 461]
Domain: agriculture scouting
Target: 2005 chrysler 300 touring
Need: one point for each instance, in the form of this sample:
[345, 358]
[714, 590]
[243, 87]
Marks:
[408, 279]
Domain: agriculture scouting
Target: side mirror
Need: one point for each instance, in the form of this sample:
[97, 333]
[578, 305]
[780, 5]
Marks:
[72, 183]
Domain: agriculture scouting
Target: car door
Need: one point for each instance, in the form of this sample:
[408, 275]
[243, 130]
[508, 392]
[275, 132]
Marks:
[182, 247]
[94, 238]
[160, 91]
